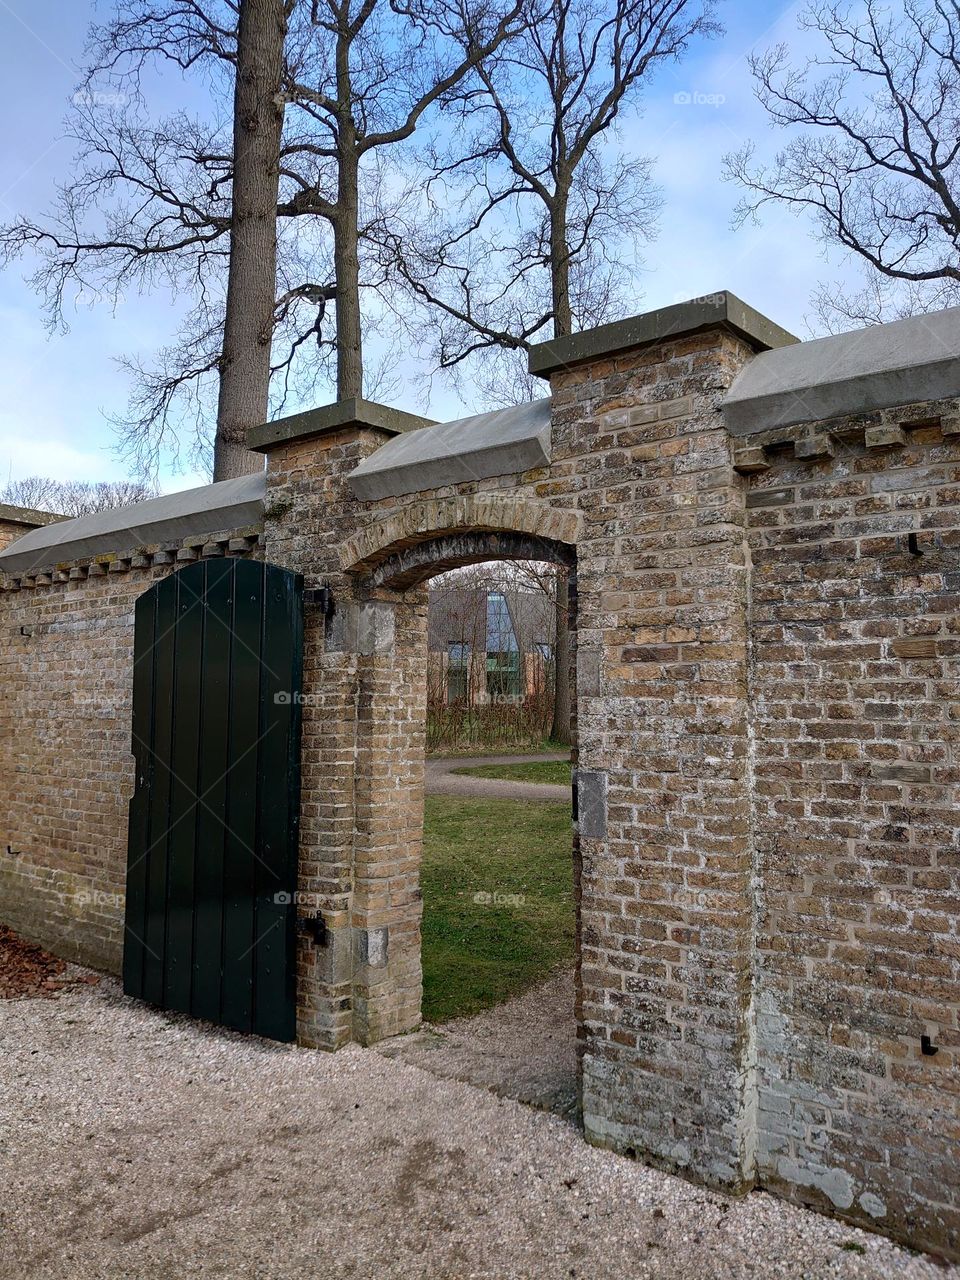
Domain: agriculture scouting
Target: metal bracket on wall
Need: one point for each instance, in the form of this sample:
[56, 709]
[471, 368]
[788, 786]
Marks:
[322, 598]
[315, 928]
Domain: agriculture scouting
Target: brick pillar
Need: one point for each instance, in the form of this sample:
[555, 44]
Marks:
[387, 907]
[666, 893]
[360, 978]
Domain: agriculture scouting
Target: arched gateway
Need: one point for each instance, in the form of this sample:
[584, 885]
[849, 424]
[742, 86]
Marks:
[386, 569]
[628, 473]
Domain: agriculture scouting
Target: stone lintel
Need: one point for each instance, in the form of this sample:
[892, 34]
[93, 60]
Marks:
[721, 310]
[339, 416]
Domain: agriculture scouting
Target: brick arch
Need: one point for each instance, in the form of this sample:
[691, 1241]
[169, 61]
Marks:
[409, 545]
[415, 564]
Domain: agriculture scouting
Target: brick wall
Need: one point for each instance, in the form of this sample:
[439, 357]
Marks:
[765, 664]
[768, 843]
[10, 530]
[66, 771]
[16, 521]
[856, 720]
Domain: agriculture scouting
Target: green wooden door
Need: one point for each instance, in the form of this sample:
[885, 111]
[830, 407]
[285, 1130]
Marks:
[212, 847]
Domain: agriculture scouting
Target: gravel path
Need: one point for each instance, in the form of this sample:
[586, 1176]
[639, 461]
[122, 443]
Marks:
[440, 780]
[136, 1144]
[525, 1048]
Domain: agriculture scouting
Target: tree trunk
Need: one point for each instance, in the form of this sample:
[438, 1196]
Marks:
[562, 325]
[560, 731]
[252, 274]
[346, 257]
[560, 267]
[346, 263]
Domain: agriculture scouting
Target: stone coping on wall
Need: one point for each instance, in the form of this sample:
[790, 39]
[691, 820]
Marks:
[209, 545]
[715, 310]
[172, 518]
[339, 416]
[502, 442]
[28, 516]
[882, 429]
[883, 366]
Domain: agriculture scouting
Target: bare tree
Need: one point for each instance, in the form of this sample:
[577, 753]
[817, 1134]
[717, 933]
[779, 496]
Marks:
[548, 235]
[258, 222]
[878, 163]
[549, 217]
[177, 202]
[366, 86]
[73, 497]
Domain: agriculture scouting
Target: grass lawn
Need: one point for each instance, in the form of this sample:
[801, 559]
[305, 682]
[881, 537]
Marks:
[532, 746]
[497, 880]
[557, 771]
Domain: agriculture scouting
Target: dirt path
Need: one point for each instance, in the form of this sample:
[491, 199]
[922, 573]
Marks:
[524, 1049]
[442, 781]
[138, 1144]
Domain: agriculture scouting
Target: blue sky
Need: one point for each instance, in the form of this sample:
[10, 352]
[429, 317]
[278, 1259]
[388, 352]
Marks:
[60, 390]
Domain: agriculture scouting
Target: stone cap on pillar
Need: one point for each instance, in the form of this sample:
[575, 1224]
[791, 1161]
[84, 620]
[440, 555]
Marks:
[333, 417]
[27, 517]
[722, 310]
